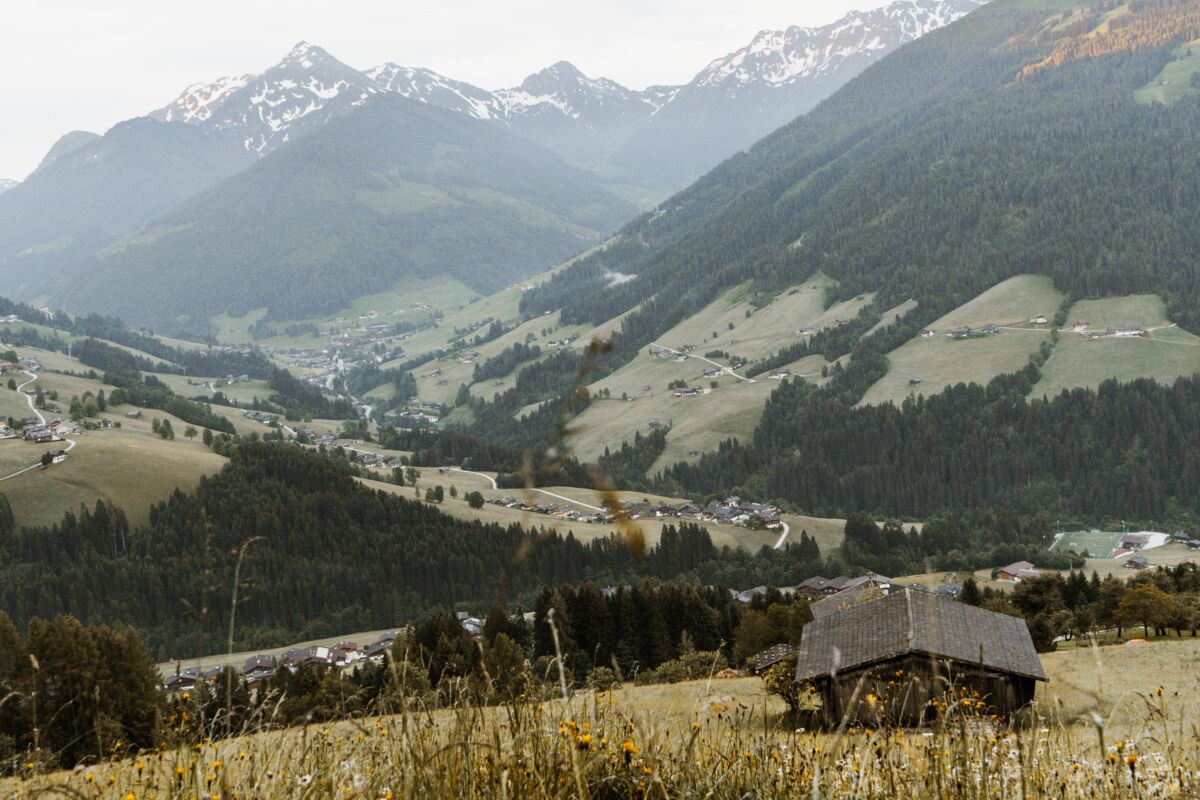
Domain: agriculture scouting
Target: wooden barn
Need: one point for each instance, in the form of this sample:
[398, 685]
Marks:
[887, 660]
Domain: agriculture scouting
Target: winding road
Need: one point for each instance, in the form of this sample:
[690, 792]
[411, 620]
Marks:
[41, 418]
[728, 370]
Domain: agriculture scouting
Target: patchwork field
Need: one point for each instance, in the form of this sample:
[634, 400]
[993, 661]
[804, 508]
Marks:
[639, 392]
[1168, 352]
[937, 362]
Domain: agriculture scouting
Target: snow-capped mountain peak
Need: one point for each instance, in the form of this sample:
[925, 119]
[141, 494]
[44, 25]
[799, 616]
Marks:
[428, 86]
[6, 184]
[777, 58]
[309, 85]
[305, 88]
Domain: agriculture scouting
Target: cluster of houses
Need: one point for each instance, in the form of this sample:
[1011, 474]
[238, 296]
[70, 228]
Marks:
[732, 511]
[344, 655]
[966, 332]
[260, 416]
[34, 430]
[258, 669]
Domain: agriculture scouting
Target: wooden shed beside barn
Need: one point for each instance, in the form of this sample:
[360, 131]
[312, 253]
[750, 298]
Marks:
[887, 660]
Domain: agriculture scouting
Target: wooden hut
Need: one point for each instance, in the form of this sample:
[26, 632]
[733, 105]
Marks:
[891, 659]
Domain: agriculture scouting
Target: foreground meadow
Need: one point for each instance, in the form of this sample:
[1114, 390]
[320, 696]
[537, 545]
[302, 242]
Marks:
[1112, 722]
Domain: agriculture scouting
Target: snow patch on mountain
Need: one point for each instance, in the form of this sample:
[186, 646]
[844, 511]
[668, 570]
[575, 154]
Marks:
[6, 184]
[777, 58]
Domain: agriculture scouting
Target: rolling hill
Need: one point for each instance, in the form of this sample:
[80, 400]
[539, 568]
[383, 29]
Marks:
[393, 188]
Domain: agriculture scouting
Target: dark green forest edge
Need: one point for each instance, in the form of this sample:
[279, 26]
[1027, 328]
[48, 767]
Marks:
[932, 177]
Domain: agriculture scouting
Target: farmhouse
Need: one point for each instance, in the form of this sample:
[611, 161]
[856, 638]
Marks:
[771, 656]
[1015, 572]
[779, 374]
[1040, 319]
[910, 648]
[1137, 563]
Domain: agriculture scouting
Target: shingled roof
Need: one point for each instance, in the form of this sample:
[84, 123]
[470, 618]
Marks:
[915, 622]
[859, 593]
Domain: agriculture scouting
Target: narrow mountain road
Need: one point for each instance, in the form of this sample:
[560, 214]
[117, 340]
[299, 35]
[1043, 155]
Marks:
[41, 418]
[728, 370]
[782, 536]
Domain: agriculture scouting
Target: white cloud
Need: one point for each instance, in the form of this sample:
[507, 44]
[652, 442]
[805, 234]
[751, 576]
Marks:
[79, 64]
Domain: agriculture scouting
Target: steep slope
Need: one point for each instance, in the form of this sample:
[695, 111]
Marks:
[394, 188]
[87, 197]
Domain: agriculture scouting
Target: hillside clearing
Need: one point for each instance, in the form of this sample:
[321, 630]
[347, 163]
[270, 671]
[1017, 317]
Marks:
[938, 361]
[1166, 353]
[1175, 81]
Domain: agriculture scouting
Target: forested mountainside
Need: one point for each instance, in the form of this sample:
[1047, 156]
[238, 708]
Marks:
[936, 174]
[91, 191]
[392, 189]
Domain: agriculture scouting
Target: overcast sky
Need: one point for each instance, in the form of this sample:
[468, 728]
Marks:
[83, 64]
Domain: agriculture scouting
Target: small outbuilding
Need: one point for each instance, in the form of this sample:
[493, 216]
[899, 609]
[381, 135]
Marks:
[888, 660]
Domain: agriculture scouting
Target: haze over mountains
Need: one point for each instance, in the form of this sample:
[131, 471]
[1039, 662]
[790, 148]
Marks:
[101, 211]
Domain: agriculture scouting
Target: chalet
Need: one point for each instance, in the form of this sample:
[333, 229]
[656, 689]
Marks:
[772, 656]
[806, 331]
[1193, 544]
[686, 392]
[182, 681]
[713, 372]
[257, 669]
[58, 456]
[1015, 572]
[818, 586]
[914, 381]
[1040, 319]
[134, 415]
[927, 332]
[932, 644]
[960, 333]
[951, 590]
[779, 374]
[345, 653]
[1137, 562]
[857, 594]
[1080, 325]
[990, 328]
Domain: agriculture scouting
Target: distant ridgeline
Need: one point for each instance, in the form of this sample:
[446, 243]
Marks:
[339, 556]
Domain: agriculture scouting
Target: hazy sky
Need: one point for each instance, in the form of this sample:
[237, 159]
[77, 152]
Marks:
[84, 64]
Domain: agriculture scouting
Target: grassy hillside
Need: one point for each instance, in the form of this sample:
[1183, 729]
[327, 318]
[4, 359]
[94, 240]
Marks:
[722, 737]
[131, 467]
[1168, 352]
[939, 361]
